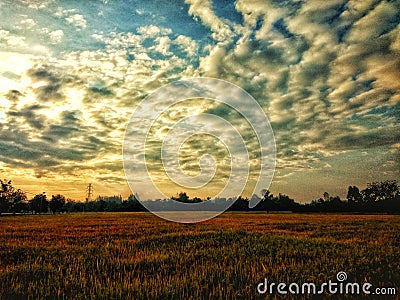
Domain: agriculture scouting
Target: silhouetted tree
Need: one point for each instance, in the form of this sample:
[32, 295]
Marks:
[380, 196]
[11, 200]
[78, 207]
[182, 197]
[131, 204]
[17, 201]
[69, 205]
[326, 196]
[39, 203]
[377, 196]
[380, 191]
[267, 202]
[196, 200]
[6, 189]
[57, 203]
[335, 204]
[284, 202]
[241, 204]
[354, 198]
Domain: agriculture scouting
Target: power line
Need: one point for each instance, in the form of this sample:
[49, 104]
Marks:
[89, 192]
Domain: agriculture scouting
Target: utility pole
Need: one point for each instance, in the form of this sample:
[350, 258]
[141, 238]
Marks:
[89, 191]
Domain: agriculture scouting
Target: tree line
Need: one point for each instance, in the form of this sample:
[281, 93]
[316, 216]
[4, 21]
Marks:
[381, 196]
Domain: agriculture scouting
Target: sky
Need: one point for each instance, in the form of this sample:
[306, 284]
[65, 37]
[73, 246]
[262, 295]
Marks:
[326, 74]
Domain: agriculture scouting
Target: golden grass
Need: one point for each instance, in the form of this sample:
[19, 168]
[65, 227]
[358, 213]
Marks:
[139, 256]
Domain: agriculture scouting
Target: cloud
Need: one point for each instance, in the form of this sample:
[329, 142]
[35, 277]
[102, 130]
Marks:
[77, 106]
[326, 74]
[98, 86]
[52, 137]
[381, 19]
[29, 115]
[50, 89]
[153, 31]
[12, 40]
[259, 17]
[202, 9]
[27, 23]
[77, 20]
[14, 43]
[56, 36]
[365, 139]
[320, 87]
[187, 44]
[163, 44]
[35, 4]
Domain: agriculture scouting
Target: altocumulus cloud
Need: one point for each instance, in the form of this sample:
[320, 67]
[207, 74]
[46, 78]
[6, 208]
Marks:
[326, 74]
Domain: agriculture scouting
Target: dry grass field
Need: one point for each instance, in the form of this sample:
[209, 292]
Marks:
[139, 256]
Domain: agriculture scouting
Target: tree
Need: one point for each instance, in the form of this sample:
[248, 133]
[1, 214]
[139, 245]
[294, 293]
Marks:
[6, 189]
[39, 203]
[196, 200]
[241, 204]
[69, 205]
[182, 197]
[57, 203]
[267, 202]
[326, 196]
[284, 202]
[266, 194]
[380, 191]
[17, 201]
[132, 204]
[3, 204]
[381, 196]
[11, 200]
[354, 198]
[354, 195]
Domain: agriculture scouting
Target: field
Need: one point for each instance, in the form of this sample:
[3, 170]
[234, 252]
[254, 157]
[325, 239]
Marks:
[139, 256]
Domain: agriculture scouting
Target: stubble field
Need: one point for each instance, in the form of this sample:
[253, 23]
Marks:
[139, 256]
